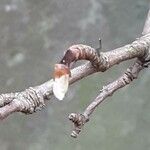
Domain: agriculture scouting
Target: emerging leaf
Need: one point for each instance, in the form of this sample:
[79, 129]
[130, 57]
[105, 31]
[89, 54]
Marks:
[61, 81]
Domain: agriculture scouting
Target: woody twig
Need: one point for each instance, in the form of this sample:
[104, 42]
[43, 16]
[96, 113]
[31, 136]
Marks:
[131, 73]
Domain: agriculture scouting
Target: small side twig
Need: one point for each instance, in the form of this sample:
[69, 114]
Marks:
[80, 119]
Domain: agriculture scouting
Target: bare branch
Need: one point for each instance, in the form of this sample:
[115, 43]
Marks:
[32, 99]
[132, 72]
[80, 119]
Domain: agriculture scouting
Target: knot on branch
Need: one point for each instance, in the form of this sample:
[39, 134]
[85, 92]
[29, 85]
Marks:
[27, 102]
[128, 76]
[7, 98]
[30, 101]
[132, 72]
[78, 121]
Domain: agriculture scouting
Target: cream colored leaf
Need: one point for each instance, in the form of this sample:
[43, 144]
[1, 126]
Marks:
[60, 86]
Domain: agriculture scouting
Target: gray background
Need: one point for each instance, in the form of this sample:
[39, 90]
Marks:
[33, 37]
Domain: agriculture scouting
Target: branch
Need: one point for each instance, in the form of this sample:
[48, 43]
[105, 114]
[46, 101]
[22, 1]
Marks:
[80, 119]
[132, 73]
[33, 98]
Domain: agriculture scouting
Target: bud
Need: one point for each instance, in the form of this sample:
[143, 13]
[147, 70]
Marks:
[61, 80]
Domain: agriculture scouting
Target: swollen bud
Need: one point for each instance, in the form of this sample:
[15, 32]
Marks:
[61, 80]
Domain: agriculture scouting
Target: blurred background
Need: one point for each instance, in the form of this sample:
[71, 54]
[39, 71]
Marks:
[33, 37]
